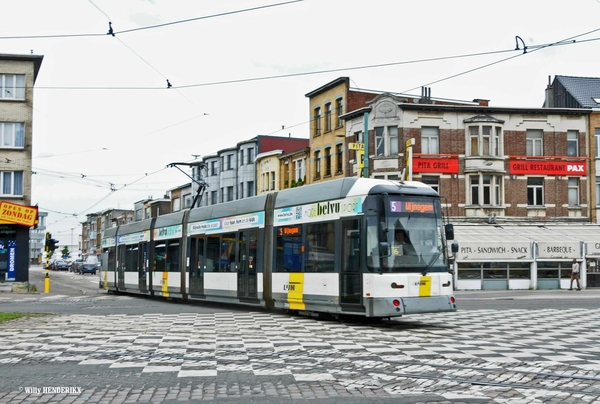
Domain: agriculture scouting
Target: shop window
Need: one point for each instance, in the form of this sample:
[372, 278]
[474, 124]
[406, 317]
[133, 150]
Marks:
[519, 270]
[469, 270]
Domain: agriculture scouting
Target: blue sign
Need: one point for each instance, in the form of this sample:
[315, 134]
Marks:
[12, 260]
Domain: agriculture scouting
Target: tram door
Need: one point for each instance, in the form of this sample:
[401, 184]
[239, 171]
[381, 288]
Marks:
[350, 272]
[122, 257]
[197, 264]
[142, 266]
[247, 258]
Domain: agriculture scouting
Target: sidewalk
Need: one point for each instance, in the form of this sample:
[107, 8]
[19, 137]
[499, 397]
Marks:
[527, 294]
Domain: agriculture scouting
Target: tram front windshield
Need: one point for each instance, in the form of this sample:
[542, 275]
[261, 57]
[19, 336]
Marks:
[412, 230]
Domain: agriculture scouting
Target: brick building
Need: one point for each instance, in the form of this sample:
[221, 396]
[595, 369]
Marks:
[513, 179]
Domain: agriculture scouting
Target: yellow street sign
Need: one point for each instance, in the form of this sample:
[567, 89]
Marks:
[356, 146]
[361, 161]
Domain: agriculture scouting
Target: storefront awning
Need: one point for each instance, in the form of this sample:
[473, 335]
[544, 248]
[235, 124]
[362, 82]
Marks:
[589, 234]
[490, 243]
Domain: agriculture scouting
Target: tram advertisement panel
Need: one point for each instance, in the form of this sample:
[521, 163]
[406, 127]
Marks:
[232, 223]
[134, 238]
[109, 242]
[328, 210]
[164, 233]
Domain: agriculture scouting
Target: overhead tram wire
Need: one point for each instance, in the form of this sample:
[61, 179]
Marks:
[341, 69]
[113, 191]
[531, 49]
[111, 32]
[149, 26]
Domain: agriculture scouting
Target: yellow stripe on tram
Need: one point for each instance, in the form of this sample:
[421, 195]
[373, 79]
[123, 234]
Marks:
[296, 291]
[165, 284]
[425, 286]
[105, 280]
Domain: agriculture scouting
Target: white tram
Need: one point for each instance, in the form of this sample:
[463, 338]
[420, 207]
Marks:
[352, 246]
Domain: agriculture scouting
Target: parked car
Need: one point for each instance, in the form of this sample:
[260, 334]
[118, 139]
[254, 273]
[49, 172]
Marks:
[76, 266]
[61, 265]
[88, 268]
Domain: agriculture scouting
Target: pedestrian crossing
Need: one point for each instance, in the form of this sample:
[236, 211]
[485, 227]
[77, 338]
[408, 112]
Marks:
[485, 354]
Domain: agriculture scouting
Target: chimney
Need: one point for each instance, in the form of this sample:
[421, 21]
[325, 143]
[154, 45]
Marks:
[482, 102]
[425, 95]
[549, 95]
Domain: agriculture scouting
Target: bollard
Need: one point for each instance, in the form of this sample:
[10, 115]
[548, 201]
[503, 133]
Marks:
[47, 283]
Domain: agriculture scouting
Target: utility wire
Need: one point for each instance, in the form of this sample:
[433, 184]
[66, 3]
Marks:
[150, 26]
[245, 80]
[566, 41]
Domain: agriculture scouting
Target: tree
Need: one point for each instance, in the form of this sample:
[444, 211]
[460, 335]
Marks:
[65, 253]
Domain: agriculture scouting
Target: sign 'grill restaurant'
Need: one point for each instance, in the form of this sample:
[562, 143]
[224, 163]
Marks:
[548, 168]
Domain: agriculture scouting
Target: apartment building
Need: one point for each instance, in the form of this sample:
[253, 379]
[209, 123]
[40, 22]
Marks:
[231, 173]
[18, 74]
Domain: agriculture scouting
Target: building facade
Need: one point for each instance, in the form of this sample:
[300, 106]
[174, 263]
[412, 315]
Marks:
[504, 173]
[328, 140]
[17, 78]
[231, 173]
[582, 92]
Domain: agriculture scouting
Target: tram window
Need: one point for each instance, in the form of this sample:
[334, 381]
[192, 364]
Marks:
[288, 251]
[197, 258]
[131, 259]
[160, 251]
[213, 253]
[172, 258]
[351, 246]
[227, 253]
[372, 243]
[320, 240]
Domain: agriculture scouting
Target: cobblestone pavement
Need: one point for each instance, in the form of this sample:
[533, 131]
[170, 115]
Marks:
[478, 356]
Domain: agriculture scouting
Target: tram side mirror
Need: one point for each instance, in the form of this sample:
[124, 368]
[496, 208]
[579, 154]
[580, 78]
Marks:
[455, 247]
[449, 228]
[384, 249]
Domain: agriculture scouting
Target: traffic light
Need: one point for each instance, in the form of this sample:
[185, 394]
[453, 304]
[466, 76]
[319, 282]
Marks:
[51, 244]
